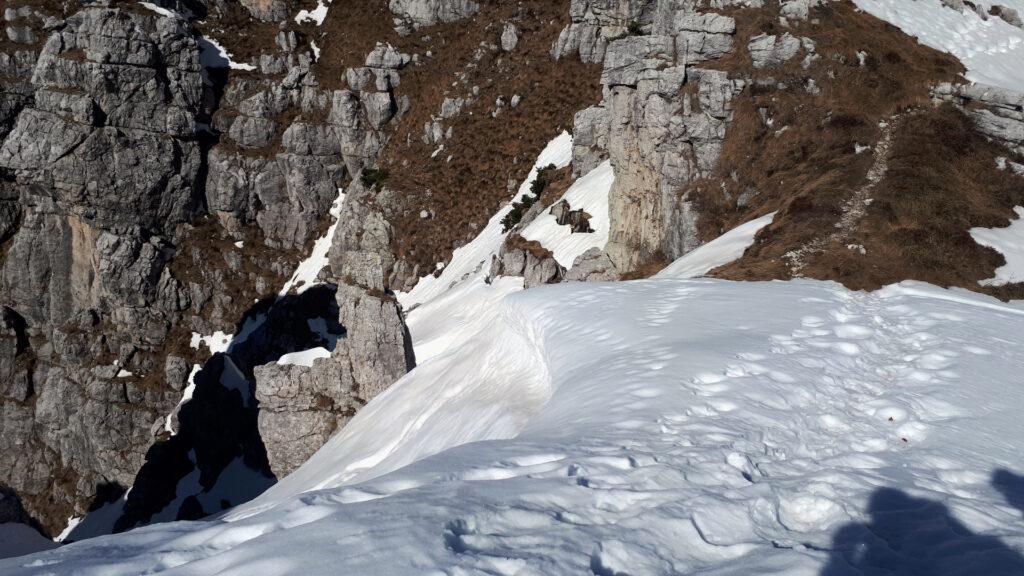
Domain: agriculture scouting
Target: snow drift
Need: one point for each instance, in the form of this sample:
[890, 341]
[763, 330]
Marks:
[654, 427]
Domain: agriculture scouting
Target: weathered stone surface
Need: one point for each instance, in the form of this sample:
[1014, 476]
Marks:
[1000, 116]
[769, 51]
[628, 58]
[594, 265]
[268, 10]
[703, 36]
[509, 37]
[300, 407]
[413, 14]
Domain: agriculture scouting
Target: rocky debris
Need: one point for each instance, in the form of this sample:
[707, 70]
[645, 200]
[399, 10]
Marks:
[413, 14]
[767, 51]
[594, 265]
[577, 220]
[300, 406]
[1000, 115]
[509, 37]
[799, 9]
[529, 260]
[703, 36]
[1009, 15]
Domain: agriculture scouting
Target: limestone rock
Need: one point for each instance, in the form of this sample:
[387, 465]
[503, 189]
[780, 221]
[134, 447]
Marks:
[703, 36]
[413, 14]
[630, 57]
[509, 37]
[594, 265]
[769, 51]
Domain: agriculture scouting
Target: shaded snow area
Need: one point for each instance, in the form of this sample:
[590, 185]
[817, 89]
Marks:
[1009, 242]
[654, 427]
[992, 50]
[719, 252]
[590, 194]
[470, 263]
[20, 539]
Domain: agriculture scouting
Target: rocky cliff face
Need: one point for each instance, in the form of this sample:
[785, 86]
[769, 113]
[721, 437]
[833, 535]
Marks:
[136, 174]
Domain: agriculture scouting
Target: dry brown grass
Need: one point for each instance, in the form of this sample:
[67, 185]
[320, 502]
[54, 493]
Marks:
[517, 242]
[486, 153]
[941, 178]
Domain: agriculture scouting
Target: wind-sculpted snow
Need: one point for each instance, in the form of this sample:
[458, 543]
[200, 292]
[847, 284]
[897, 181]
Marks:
[654, 427]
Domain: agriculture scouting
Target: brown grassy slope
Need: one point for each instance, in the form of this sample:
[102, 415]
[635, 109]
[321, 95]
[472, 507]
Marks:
[804, 164]
[941, 182]
[486, 152]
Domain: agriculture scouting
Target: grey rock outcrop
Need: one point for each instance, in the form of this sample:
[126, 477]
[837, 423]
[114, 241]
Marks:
[99, 134]
[268, 10]
[590, 139]
[658, 136]
[509, 37]
[413, 14]
[302, 406]
[703, 36]
[594, 265]
[1000, 114]
[769, 51]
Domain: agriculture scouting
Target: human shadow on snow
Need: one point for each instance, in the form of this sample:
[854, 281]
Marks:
[907, 536]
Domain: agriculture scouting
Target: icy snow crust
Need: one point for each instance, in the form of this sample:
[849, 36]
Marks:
[654, 427]
[992, 50]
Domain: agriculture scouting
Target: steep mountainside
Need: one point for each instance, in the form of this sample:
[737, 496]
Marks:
[227, 227]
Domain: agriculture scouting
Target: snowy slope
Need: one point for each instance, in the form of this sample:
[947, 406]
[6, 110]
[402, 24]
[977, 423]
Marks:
[590, 194]
[662, 426]
[471, 262]
[991, 49]
[719, 252]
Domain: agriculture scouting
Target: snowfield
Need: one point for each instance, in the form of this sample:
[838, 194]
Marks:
[655, 427]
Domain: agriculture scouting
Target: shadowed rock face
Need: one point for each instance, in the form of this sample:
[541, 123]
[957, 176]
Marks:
[100, 161]
[144, 197]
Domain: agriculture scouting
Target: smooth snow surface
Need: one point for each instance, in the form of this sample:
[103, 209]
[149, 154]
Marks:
[304, 357]
[662, 426]
[20, 539]
[722, 250]
[590, 194]
[471, 262]
[1009, 242]
[992, 50]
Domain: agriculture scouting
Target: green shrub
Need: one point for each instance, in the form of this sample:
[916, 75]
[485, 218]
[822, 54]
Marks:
[537, 187]
[373, 177]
